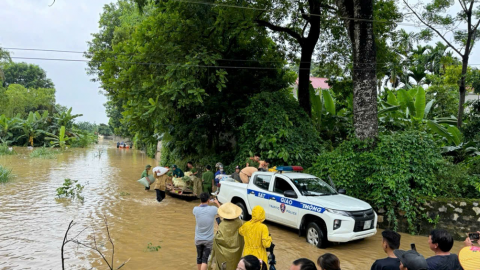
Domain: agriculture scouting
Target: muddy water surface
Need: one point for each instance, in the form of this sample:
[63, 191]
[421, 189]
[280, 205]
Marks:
[33, 221]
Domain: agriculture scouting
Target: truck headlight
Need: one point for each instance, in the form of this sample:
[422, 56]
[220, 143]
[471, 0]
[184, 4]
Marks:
[337, 223]
[338, 212]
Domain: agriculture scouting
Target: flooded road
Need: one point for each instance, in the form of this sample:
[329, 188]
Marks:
[33, 222]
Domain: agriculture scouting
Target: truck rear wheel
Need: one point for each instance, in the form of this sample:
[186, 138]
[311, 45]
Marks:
[244, 216]
[316, 236]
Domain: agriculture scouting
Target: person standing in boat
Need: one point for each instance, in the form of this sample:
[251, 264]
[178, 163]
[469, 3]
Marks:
[197, 182]
[177, 172]
[145, 174]
[191, 169]
[208, 180]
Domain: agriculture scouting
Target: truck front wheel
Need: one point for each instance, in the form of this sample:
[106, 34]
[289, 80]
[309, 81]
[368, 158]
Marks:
[244, 216]
[316, 236]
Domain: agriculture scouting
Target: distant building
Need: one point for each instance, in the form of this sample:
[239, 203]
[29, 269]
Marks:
[316, 83]
[471, 96]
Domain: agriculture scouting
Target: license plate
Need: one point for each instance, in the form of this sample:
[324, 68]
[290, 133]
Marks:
[367, 225]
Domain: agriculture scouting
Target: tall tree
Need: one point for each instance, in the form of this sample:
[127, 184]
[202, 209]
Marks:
[435, 15]
[297, 22]
[359, 24]
[28, 75]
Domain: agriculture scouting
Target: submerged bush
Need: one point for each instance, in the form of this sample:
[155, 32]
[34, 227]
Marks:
[394, 173]
[44, 152]
[5, 174]
[70, 189]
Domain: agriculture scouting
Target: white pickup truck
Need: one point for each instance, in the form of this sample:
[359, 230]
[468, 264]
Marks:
[304, 202]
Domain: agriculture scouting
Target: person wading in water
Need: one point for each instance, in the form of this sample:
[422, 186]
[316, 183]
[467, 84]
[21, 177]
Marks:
[160, 185]
[145, 174]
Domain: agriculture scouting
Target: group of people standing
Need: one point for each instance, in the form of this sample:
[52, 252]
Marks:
[233, 238]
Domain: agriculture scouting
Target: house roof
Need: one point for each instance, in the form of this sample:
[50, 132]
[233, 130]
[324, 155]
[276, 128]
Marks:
[318, 83]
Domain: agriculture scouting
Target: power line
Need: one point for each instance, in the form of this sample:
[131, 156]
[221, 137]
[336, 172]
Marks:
[314, 15]
[182, 65]
[133, 54]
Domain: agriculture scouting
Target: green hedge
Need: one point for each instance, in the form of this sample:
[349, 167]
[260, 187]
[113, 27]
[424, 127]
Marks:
[276, 127]
[394, 173]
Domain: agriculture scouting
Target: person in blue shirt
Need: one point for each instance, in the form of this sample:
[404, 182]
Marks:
[177, 172]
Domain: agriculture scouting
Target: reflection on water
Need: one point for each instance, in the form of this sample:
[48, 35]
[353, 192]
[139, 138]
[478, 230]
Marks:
[33, 221]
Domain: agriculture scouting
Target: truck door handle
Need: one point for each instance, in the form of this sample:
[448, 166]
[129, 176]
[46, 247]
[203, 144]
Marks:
[252, 192]
[272, 198]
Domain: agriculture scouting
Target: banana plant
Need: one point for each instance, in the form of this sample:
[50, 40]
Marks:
[31, 126]
[327, 119]
[59, 140]
[7, 125]
[410, 109]
[66, 118]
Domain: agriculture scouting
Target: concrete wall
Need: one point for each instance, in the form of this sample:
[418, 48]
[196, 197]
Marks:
[457, 216]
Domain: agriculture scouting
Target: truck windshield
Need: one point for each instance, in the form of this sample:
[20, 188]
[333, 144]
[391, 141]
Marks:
[313, 187]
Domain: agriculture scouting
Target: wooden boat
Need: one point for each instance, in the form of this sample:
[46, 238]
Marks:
[180, 193]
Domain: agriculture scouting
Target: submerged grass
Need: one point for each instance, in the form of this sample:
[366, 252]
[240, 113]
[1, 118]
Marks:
[44, 152]
[5, 175]
[6, 150]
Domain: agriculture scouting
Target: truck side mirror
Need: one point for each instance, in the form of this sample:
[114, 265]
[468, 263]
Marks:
[342, 191]
[290, 194]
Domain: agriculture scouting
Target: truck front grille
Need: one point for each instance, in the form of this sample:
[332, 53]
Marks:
[360, 217]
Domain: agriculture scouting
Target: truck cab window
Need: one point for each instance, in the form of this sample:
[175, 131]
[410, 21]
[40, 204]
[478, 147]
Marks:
[281, 186]
[262, 181]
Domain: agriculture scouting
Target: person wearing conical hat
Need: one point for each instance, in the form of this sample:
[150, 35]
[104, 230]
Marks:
[256, 235]
[228, 243]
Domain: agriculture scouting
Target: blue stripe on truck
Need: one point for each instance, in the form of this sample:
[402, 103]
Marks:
[287, 201]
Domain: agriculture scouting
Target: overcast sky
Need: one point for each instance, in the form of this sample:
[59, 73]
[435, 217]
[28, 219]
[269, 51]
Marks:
[67, 25]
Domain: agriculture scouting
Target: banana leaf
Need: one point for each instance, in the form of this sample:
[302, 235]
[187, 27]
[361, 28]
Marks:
[406, 101]
[419, 104]
[328, 102]
[428, 107]
[388, 109]
[446, 120]
[457, 135]
[440, 130]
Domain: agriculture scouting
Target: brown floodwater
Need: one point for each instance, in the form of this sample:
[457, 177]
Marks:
[33, 221]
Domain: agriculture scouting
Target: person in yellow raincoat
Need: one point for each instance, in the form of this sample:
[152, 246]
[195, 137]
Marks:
[256, 236]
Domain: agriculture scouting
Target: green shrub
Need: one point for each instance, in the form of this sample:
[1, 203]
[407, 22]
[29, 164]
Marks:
[277, 128]
[5, 175]
[44, 152]
[70, 189]
[392, 173]
[4, 150]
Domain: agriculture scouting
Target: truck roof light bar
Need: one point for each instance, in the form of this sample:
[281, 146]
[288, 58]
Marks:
[289, 168]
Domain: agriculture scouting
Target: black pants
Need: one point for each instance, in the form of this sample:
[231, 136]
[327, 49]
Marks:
[160, 195]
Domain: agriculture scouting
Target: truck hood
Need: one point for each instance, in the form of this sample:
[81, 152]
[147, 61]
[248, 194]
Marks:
[339, 202]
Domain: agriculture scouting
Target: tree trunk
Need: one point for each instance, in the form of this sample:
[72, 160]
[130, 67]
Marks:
[462, 91]
[365, 116]
[304, 79]
[364, 72]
